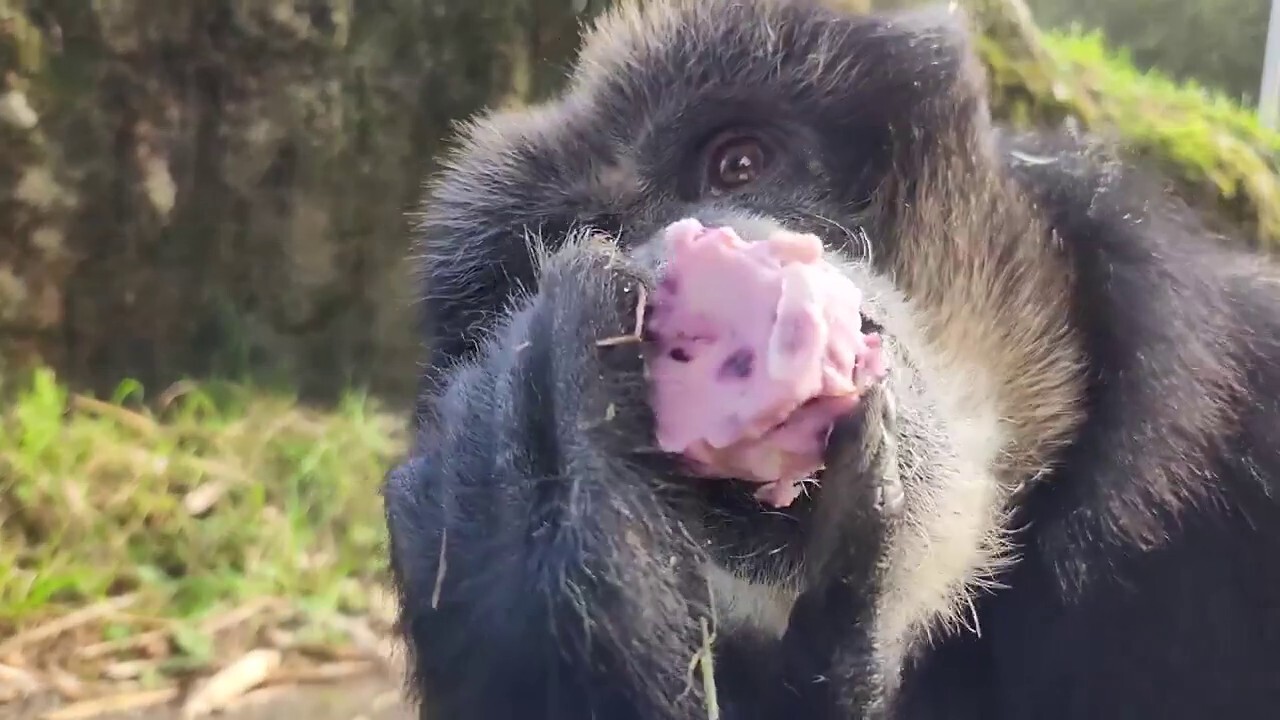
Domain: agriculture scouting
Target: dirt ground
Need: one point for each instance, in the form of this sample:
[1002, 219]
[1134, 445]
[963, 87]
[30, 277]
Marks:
[372, 698]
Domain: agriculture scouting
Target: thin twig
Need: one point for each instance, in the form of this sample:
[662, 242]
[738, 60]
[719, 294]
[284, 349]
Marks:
[637, 333]
[618, 340]
[120, 645]
[441, 565]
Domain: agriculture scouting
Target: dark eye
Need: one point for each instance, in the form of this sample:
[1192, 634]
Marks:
[736, 161]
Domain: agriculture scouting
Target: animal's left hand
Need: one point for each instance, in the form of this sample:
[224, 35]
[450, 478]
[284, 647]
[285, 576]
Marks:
[828, 650]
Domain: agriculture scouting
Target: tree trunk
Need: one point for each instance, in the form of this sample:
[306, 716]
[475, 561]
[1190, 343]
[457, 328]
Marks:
[196, 187]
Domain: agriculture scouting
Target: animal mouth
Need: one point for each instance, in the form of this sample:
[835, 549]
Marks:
[764, 381]
[870, 326]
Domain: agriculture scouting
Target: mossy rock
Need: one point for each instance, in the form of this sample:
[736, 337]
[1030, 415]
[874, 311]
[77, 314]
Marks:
[1216, 152]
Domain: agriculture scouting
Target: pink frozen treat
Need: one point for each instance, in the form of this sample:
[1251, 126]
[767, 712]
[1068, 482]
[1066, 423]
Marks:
[755, 350]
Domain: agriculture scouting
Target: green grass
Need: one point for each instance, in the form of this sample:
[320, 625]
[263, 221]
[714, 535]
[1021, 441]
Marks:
[93, 503]
[1215, 150]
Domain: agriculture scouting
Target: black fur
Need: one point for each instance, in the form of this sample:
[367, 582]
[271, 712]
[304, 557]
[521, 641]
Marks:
[572, 581]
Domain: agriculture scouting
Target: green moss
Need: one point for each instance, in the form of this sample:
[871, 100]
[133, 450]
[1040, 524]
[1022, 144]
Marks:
[1215, 150]
[21, 45]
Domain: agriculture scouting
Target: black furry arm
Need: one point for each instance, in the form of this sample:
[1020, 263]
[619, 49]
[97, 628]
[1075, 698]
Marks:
[829, 664]
[541, 574]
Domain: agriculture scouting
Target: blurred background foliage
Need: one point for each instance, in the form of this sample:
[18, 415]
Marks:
[225, 188]
[1216, 43]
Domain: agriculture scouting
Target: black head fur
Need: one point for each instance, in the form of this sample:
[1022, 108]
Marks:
[1125, 339]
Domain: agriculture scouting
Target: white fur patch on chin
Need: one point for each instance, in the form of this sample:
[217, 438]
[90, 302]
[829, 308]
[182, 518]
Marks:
[739, 602]
[953, 540]
[951, 440]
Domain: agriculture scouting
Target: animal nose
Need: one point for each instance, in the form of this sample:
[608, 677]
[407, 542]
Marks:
[749, 227]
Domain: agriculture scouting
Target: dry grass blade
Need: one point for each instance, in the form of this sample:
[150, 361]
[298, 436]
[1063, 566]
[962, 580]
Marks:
[260, 697]
[327, 652]
[124, 702]
[66, 623]
[381, 704]
[202, 499]
[173, 392]
[324, 673]
[232, 682]
[241, 614]
[22, 681]
[112, 647]
[65, 684]
[441, 567]
[112, 481]
[391, 655]
[126, 669]
[140, 424]
[385, 701]
[618, 340]
[709, 673]
[383, 607]
[703, 660]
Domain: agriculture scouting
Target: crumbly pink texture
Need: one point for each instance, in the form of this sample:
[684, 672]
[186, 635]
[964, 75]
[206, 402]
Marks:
[756, 350]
